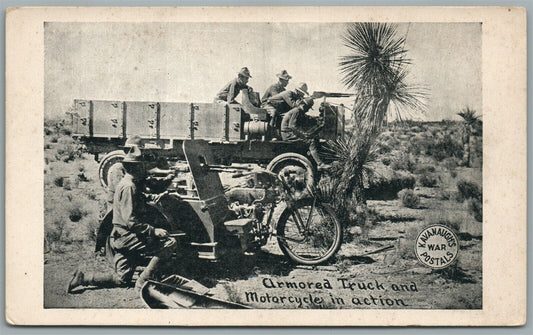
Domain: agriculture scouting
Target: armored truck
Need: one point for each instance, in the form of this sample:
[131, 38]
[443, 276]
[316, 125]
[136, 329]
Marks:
[237, 133]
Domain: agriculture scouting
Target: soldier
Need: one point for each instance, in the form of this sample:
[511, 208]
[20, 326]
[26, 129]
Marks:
[131, 237]
[278, 87]
[281, 103]
[293, 129]
[229, 92]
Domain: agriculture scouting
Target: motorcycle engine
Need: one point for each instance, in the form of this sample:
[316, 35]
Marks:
[253, 204]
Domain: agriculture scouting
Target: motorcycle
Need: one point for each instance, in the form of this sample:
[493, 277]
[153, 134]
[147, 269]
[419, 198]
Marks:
[210, 220]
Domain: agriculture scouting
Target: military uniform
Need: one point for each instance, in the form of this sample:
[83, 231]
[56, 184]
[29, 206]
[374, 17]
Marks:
[278, 87]
[229, 92]
[271, 91]
[296, 121]
[131, 238]
[114, 176]
[280, 104]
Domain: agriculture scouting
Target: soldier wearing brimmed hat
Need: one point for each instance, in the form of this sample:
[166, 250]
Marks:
[229, 92]
[131, 238]
[293, 128]
[283, 81]
[283, 102]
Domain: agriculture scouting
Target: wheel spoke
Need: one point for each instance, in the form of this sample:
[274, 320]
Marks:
[319, 238]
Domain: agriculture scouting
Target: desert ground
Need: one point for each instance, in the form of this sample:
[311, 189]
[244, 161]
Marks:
[377, 254]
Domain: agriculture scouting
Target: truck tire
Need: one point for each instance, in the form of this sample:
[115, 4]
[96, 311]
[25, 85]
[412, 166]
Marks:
[107, 162]
[297, 171]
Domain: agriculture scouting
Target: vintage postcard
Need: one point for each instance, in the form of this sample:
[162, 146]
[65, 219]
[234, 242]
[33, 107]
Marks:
[266, 166]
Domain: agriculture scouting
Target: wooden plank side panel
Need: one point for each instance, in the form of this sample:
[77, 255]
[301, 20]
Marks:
[174, 120]
[141, 119]
[80, 118]
[235, 124]
[107, 118]
[210, 121]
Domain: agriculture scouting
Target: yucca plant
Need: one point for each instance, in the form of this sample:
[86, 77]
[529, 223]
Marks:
[376, 68]
[471, 122]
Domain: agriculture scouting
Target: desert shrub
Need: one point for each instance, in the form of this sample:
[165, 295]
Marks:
[386, 161]
[54, 139]
[76, 212]
[453, 174]
[65, 131]
[403, 162]
[91, 224]
[475, 207]
[423, 169]
[68, 149]
[386, 188]
[418, 145]
[405, 248]
[427, 180]
[445, 195]
[67, 184]
[468, 190]
[445, 147]
[91, 194]
[58, 181]
[343, 266]
[449, 219]
[450, 163]
[47, 146]
[53, 233]
[409, 198]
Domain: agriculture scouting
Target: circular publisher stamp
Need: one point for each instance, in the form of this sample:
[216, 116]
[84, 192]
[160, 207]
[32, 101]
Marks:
[437, 246]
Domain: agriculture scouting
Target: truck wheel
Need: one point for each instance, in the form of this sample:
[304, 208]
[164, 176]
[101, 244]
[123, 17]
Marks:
[296, 170]
[107, 162]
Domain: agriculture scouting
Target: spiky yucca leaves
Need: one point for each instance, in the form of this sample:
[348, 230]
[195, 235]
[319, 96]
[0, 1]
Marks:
[472, 125]
[376, 69]
[469, 116]
[354, 156]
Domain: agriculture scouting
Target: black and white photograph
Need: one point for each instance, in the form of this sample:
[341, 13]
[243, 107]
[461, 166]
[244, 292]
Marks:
[269, 165]
[264, 165]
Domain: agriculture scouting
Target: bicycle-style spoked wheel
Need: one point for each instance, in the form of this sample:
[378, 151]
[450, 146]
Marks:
[309, 232]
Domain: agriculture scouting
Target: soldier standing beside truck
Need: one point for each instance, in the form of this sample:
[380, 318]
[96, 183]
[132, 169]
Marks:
[131, 238]
[229, 92]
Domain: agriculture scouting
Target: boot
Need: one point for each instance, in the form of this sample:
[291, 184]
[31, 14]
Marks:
[148, 272]
[76, 281]
[101, 280]
[79, 279]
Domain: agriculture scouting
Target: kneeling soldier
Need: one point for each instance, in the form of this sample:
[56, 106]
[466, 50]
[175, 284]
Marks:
[131, 239]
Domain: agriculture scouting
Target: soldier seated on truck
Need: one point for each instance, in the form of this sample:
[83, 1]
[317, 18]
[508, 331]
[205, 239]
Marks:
[283, 81]
[293, 128]
[131, 238]
[230, 91]
[281, 103]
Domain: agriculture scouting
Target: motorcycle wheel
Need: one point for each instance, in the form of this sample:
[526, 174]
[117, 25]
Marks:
[316, 244]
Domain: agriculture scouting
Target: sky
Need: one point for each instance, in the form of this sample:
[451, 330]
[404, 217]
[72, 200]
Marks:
[191, 62]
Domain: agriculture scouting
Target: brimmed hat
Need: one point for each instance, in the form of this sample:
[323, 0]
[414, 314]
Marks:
[302, 87]
[245, 72]
[284, 75]
[133, 156]
[134, 140]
